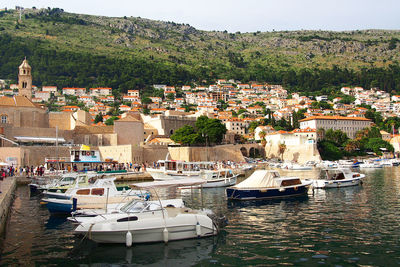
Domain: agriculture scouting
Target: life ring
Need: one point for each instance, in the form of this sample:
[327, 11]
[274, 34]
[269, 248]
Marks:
[88, 153]
[295, 188]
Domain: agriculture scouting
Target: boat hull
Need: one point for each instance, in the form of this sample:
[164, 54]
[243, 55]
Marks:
[60, 206]
[224, 182]
[148, 236]
[163, 176]
[265, 193]
[336, 184]
[150, 230]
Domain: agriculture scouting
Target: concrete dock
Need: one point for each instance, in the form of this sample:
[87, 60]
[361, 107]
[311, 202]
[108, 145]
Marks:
[7, 188]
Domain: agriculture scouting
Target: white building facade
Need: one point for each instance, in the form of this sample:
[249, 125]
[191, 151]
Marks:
[348, 125]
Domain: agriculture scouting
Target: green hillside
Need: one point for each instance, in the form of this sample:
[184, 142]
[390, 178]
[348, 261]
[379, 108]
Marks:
[67, 49]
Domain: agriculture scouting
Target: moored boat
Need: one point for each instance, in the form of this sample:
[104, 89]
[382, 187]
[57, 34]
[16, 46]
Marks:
[173, 169]
[151, 222]
[267, 184]
[333, 178]
[98, 195]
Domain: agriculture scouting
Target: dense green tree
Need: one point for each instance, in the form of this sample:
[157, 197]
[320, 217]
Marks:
[98, 118]
[377, 144]
[347, 99]
[146, 101]
[329, 150]
[170, 96]
[211, 131]
[297, 116]
[321, 105]
[253, 126]
[111, 120]
[186, 135]
[336, 136]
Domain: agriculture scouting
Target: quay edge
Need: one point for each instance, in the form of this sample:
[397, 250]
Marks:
[7, 188]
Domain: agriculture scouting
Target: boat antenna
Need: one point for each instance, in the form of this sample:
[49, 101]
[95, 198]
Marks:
[166, 157]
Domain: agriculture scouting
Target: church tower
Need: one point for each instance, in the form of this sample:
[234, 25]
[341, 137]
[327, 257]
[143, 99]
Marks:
[25, 80]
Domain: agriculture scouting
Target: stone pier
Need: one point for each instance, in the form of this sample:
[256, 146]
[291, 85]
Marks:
[7, 188]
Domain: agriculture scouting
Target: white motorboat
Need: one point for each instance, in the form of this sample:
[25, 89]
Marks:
[173, 169]
[101, 193]
[295, 166]
[60, 184]
[85, 215]
[327, 164]
[151, 222]
[219, 178]
[370, 165]
[333, 178]
[209, 171]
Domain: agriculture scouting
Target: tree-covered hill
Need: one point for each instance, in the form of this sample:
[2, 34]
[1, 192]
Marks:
[67, 49]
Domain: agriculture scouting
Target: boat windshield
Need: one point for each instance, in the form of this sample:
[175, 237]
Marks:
[137, 206]
[333, 175]
[67, 179]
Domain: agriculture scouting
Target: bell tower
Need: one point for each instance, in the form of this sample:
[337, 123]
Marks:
[25, 80]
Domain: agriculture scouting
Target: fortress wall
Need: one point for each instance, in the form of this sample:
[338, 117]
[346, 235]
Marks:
[216, 153]
[296, 153]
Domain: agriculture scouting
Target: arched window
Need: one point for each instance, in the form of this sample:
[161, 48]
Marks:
[3, 118]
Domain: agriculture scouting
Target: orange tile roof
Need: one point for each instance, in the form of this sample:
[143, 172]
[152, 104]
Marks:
[334, 118]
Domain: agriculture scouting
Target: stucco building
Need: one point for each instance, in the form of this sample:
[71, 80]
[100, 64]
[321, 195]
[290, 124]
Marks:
[348, 125]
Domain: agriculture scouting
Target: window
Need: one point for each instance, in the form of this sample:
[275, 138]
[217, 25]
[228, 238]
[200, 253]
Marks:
[128, 219]
[3, 118]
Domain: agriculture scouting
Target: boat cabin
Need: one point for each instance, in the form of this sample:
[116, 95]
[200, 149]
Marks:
[268, 179]
[337, 174]
[184, 166]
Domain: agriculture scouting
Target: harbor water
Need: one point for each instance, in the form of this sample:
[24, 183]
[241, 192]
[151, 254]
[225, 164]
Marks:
[335, 227]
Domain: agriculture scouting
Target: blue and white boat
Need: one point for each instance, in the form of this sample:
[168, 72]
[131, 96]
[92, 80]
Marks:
[267, 184]
[98, 195]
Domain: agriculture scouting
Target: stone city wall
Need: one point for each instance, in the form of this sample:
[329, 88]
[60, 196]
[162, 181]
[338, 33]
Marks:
[296, 153]
[7, 188]
[216, 153]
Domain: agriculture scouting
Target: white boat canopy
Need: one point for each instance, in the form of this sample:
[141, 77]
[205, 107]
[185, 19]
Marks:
[261, 178]
[169, 183]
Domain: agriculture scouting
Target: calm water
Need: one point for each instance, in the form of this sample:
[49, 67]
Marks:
[340, 227]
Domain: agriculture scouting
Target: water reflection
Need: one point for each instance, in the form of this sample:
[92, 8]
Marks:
[179, 253]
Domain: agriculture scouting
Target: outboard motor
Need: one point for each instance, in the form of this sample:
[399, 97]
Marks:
[219, 220]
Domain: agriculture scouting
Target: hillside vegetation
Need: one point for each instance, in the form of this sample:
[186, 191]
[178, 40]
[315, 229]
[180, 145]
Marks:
[67, 49]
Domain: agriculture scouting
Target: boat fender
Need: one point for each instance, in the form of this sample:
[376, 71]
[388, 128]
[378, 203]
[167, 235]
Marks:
[281, 189]
[128, 240]
[165, 235]
[198, 229]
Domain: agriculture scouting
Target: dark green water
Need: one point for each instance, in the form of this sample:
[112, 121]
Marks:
[358, 226]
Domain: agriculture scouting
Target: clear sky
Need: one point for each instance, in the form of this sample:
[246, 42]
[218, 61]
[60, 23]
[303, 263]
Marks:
[241, 15]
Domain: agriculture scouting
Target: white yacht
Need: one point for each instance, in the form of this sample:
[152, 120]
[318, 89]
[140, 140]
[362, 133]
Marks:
[98, 195]
[175, 169]
[209, 171]
[150, 221]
